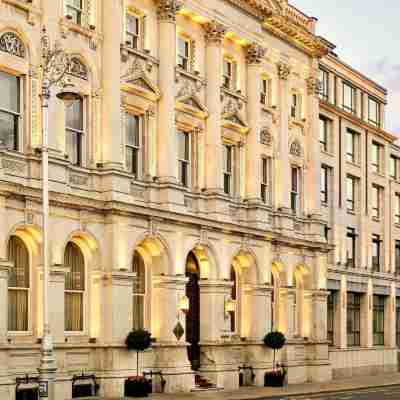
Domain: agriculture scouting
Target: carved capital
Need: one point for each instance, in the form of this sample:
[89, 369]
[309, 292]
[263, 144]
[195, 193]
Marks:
[215, 32]
[284, 70]
[254, 54]
[167, 9]
[313, 86]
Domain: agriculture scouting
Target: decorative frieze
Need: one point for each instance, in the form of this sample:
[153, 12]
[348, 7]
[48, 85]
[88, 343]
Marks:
[80, 180]
[167, 10]
[77, 68]
[12, 166]
[12, 44]
[284, 70]
[255, 54]
[215, 32]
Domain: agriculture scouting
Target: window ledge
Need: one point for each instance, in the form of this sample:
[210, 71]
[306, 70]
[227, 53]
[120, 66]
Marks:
[328, 153]
[88, 31]
[13, 334]
[144, 54]
[234, 93]
[353, 163]
[189, 74]
[380, 174]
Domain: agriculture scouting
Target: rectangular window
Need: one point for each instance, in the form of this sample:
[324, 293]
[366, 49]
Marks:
[353, 319]
[74, 11]
[351, 138]
[295, 193]
[74, 131]
[397, 208]
[184, 158]
[349, 96]
[295, 110]
[132, 144]
[227, 169]
[323, 133]
[373, 111]
[324, 184]
[351, 192]
[398, 321]
[375, 157]
[397, 256]
[393, 167]
[133, 31]
[324, 82]
[183, 53]
[376, 197]
[229, 75]
[331, 316]
[379, 320]
[9, 111]
[351, 248]
[376, 253]
[265, 92]
[265, 180]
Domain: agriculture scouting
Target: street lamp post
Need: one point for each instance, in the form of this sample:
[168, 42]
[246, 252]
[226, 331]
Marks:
[54, 67]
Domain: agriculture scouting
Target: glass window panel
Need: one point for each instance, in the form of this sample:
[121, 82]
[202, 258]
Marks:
[18, 254]
[393, 167]
[73, 143]
[373, 111]
[10, 92]
[132, 130]
[8, 130]
[74, 115]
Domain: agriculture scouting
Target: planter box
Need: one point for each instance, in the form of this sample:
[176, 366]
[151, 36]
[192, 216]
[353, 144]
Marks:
[137, 389]
[83, 390]
[274, 379]
[27, 394]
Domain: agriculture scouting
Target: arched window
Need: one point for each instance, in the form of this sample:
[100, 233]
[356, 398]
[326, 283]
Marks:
[139, 290]
[234, 296]
[18, 286]
[74, 288]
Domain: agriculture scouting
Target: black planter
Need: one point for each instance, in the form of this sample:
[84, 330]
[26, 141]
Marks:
[137, 389]
[83, 390]
[27, 394]
[274, 379]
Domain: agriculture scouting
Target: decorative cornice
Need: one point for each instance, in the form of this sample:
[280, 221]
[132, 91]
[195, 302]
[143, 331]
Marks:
[167, 10]
[215, 32]
[255, 54]
[284, 70]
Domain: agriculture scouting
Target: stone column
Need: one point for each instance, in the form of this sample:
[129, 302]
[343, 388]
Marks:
[149, 159]
[390, 319]
[5, 268]
[167, 152]
[166, 292]
[56, 305]
[256, 317]
[212, 309]
[213, 169]
[254, 57]
[282, 157]
[286, 311]
[341, 315]
[117, 315]
[313, 173]
[319, 312]
[111, 95]
[367, 305]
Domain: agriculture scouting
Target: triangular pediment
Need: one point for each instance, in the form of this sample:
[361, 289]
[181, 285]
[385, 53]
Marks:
[143, 82]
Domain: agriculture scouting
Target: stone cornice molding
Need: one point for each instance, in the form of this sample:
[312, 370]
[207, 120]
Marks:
[167, 10]
[215, 32]
[254, 54]
[284, 70]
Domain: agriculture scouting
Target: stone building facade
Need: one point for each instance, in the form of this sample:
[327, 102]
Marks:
[220, 156]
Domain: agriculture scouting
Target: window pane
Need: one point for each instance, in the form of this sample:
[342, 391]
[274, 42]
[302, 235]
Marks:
[73, 310]
[8, 130]
[393, 167]
[323, 128]
[294, 180]
[74, 115]
[132, 25]
[348, 97]
[183, 146]
[17, 310]
[73, 259]
[74, 147]
[9, 86]
[132, 129]
[373, 113]
[18, 254]
[350, 145]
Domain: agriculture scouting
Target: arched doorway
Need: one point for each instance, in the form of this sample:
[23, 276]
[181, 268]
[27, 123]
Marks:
[193, 315]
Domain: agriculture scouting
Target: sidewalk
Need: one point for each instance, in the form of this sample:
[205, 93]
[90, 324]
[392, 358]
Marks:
[251, 393]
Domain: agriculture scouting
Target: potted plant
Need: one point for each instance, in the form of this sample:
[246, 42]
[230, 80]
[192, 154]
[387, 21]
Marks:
[138, 386]
[276, 377]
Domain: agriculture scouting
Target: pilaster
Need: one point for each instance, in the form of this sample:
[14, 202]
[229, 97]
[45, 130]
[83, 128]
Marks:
[341, 315]
[5, 267]
[319, 315]
[390, 319]
[254, 57]
[214, 35]
[287, 298]
[366, 338]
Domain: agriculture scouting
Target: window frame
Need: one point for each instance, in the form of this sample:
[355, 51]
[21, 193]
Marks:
[80, 12]
[324, 129]
[265, 94]
[331, 313]
[352, 107]
[324, 184]
[352, 137]
[376, 259]
[398, 321]
[185, 164]
[228, 168]
[351, 201]
[376, 151]
[353, 310]
[137, 42]
[376, 194]
[186, 66]
[397, 209]
[395, 160]
[265, 185]
[296, 106]
[135, 149]
[397, 257]
[376, 122]
[143, 294]
[16, 115]
[378, 320]
[80, 134]
[351, 236]
[324, 81]
[229, 80]
[295, 188]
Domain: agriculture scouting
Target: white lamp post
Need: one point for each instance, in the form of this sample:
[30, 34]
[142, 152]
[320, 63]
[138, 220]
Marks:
[55, 64]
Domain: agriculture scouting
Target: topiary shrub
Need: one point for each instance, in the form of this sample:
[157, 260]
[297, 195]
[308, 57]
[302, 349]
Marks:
[138, 340]
[275, 340]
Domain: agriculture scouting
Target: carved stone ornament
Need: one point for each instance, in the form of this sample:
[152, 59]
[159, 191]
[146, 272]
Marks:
[265, 137]
[167, 9]
[215, 32]
[255, 54]
[12, 44]
[77, 68]
[188, 88]
[313, 86]
[231, 110]
[295, 148]
[283, 70]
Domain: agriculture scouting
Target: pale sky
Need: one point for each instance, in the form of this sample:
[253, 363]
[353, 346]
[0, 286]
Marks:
[367, 36]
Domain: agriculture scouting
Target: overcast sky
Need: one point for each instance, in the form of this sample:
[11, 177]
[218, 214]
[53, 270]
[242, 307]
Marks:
[367, 36]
